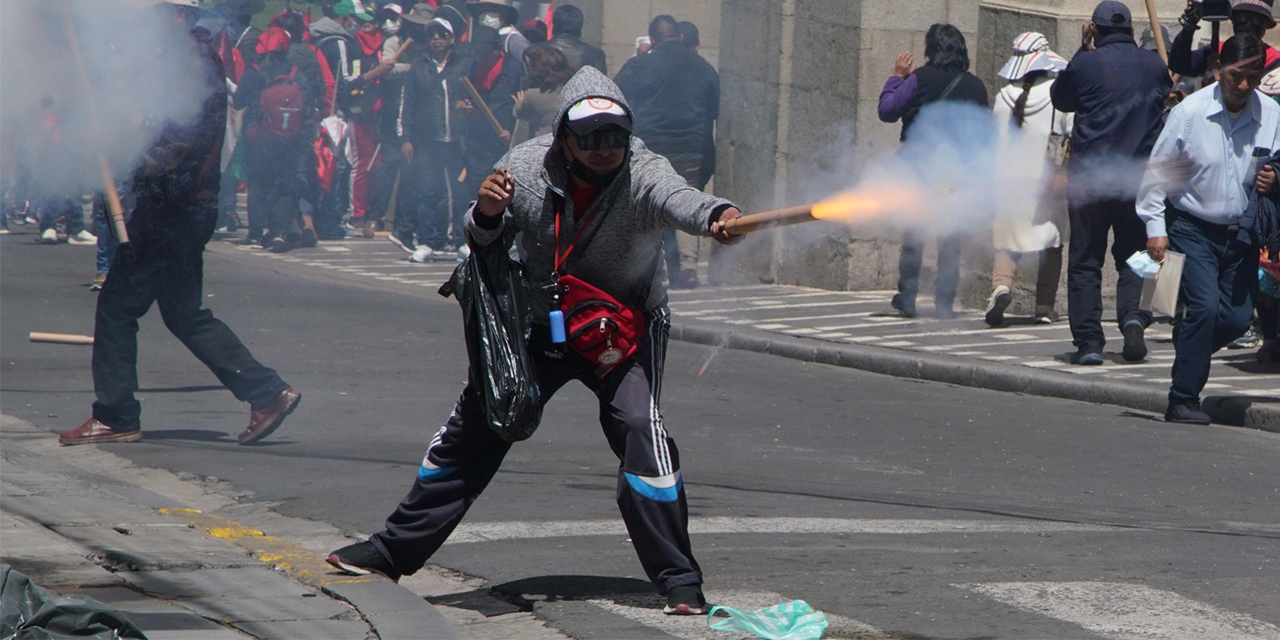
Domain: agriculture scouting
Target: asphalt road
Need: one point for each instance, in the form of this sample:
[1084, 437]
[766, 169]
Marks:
[901, 509]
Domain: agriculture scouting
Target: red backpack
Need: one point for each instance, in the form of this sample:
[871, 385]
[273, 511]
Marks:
[282, 111]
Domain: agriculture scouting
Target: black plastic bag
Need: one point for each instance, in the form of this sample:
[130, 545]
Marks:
[29, 612]
[496, 312]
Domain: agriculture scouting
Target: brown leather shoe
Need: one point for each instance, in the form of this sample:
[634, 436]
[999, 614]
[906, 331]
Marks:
[370, 229]
[93, 431]
[265, 419]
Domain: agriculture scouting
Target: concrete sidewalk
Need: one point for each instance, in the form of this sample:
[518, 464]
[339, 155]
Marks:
[176, 571]
[858, 329]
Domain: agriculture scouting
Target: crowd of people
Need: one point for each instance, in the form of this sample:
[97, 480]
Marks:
[1150, 155]
[379, 118]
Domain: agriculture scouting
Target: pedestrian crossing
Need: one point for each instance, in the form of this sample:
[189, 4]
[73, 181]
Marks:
[842, 317]
[1123, 609]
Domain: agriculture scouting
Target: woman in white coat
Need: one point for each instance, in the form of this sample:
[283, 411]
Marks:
[1033, 138]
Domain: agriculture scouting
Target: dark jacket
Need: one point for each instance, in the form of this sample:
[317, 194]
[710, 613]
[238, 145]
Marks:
[340, 50]
[932, 83]
[578, 53]
[1117, 92]
[424, 108]
[177, 200]
[675, 95]
[1260, 224]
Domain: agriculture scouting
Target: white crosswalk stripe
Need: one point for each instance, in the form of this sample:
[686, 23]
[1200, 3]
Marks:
[1116, 610]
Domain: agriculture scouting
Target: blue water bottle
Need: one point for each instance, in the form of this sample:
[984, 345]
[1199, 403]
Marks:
[557, 326]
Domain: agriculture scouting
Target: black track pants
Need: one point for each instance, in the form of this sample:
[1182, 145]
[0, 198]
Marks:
[465, 454]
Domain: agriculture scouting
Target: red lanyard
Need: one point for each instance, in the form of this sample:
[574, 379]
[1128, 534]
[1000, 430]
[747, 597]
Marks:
[586, 219]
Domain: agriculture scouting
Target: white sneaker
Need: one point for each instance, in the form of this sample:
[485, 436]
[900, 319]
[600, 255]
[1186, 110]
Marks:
[422, 254]
[463, 252]
[49, 236]
[999, 301]
[84, 237]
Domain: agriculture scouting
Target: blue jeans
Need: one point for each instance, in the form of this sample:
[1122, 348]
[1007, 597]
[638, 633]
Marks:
[1218, 283]
[102, 228]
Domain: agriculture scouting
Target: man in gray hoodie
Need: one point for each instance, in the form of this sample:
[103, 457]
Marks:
[592, 202]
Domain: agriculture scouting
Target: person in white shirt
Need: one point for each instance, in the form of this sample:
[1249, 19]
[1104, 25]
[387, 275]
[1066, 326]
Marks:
[1192, 199]
[1028, 215]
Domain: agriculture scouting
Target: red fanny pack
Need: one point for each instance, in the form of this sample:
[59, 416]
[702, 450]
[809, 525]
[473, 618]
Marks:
[597, 326]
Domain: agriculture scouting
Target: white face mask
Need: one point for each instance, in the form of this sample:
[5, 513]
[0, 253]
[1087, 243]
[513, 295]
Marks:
[391, 27]
[491, 20]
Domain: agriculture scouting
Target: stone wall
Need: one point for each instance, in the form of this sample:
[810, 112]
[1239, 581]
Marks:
[615, 24]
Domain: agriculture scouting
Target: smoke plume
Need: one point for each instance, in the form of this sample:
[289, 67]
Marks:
[142, 70]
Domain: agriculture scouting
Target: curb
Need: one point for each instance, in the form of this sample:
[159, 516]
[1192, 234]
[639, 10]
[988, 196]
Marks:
[392, 611]
[1254, 413]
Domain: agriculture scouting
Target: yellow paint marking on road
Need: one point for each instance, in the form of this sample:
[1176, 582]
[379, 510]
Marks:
[283, 554]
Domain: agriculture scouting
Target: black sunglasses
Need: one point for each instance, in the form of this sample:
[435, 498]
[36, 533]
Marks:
[614, 139]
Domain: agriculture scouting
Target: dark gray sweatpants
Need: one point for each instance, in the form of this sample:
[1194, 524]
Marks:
[465, 454]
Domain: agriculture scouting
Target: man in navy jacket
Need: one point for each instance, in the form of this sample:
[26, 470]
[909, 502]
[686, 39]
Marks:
[1117, 92]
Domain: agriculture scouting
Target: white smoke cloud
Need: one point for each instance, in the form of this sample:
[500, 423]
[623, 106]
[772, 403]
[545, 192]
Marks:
[143, 71]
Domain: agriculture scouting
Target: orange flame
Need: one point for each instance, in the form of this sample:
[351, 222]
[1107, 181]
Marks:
[863, 204]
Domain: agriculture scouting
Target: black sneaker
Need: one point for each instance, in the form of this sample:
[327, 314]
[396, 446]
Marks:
[1135, 347]
[685, 600]
[1188, 412]
[1086, 357]
[362, 559]
[907, 309]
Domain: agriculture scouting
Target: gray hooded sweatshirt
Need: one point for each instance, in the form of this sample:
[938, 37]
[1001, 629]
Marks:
[620, 249]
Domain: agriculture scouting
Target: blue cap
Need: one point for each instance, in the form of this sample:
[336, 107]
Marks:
[1110, 13]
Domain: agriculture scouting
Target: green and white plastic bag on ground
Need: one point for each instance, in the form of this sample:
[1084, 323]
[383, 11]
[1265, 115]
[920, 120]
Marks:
[794, 620]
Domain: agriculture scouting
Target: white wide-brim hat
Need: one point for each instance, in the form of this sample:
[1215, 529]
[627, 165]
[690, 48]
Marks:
[1031, 52]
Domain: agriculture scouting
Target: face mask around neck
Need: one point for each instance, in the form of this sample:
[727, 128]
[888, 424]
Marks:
[592, 178]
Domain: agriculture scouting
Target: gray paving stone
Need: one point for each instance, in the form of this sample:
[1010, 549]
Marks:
[336, 629]
[155, 547]
[246, 609]
[214, 583]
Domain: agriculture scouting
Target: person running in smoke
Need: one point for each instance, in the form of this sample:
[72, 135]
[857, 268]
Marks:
[591, 201]
[176, 189]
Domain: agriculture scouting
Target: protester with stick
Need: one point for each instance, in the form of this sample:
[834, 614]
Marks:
[592, 202]
[1224, 132]
[429, 135]
[163, 263]
[488, 118]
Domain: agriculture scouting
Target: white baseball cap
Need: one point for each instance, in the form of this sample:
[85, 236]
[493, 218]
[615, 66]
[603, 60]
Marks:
[590, 114]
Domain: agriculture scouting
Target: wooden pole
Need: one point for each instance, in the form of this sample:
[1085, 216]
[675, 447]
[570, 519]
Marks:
[767, 219]
[104, 169]
[484, 108]
[1156, 32]
[61, 338]
[386, 65]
